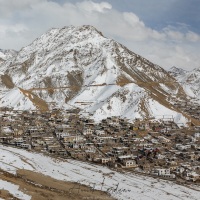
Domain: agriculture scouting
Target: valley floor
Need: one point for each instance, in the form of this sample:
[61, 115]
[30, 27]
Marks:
[31, 174]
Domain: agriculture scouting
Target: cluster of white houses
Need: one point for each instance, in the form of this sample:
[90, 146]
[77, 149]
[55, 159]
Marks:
[158, 148]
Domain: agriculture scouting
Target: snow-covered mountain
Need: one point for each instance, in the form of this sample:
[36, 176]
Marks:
[79, 67]
[190, 81]
[176, 72]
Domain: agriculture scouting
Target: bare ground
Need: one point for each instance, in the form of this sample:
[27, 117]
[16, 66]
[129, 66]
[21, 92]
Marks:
[44, 187]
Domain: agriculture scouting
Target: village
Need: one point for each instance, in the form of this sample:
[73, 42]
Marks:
[189, 107]
[158, 148]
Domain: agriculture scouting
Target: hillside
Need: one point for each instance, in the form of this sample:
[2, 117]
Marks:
[79, 67]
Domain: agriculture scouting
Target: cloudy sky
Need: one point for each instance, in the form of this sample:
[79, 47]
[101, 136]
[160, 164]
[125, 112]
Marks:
[166, 32]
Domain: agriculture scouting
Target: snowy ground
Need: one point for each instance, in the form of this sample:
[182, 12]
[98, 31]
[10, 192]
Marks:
[14, 190]
[121, 186]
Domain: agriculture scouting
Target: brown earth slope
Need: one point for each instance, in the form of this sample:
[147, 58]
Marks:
[42, 187]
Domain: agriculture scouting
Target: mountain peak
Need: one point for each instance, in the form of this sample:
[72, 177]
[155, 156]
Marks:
[90, 29]
[65, 36]
[197, 69]
[175, 71]
[79, 30]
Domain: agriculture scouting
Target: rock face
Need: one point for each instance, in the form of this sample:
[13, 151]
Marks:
[79, 67]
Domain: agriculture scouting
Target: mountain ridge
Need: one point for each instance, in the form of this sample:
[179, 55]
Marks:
[190, 81]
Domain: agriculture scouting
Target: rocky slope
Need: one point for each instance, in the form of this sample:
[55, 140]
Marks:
[79, 67]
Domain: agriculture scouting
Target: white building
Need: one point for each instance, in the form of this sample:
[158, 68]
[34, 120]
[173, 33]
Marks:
[163, 172]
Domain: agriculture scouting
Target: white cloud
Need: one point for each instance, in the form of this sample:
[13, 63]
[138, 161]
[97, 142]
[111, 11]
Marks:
[133, 19]
[16, 29]
[175, 35]
[193, 37]
[7, 7]
[28, 19]
[91, 6]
